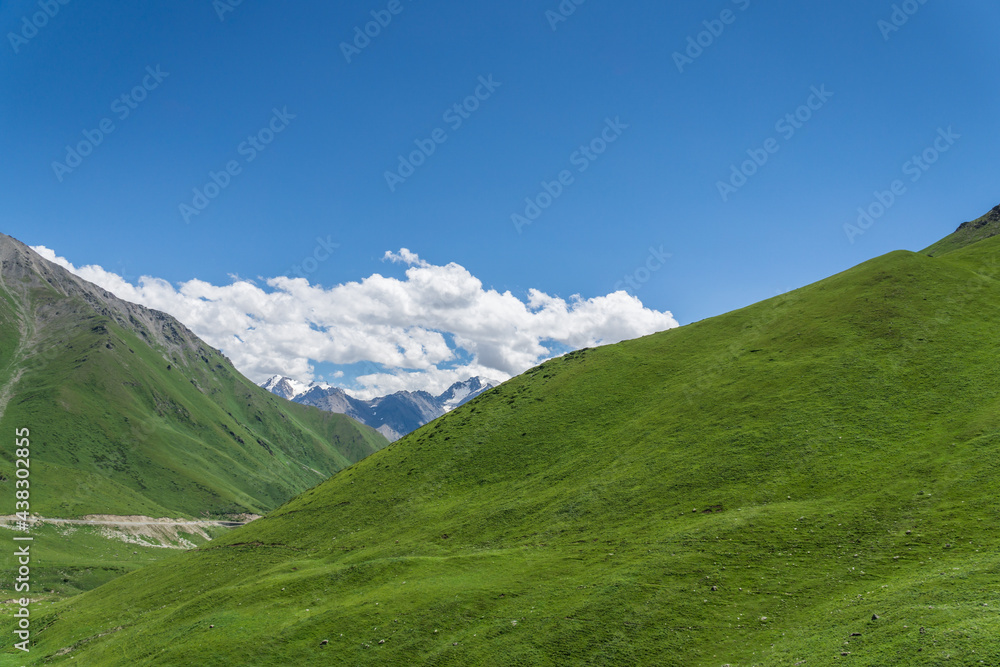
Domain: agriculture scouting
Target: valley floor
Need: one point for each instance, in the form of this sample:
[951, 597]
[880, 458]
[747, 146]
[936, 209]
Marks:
[71, 556]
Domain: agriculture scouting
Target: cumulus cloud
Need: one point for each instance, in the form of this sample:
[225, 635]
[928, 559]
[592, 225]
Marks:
[433, 328]
[404, 256]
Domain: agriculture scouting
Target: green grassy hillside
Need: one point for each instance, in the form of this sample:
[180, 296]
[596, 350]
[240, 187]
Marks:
[808, 481]
[69, 560]
[119, 429]
[968, 233]
[130, 413]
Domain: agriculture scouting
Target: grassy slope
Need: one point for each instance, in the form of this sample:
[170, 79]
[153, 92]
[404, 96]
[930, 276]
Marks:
[846, 436]
[122, 427]
[967, 234]
[68, 560]
[118, 428]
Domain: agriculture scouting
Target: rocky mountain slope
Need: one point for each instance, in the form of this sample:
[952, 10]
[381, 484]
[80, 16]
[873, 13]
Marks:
[131, 413]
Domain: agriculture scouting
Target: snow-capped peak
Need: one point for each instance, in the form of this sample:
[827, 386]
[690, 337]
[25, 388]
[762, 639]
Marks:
[394, 415]
[319, 385]
[460, 392]
[284, 386]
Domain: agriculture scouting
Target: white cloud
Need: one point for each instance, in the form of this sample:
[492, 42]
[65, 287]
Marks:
[404, 325]
[404, 256]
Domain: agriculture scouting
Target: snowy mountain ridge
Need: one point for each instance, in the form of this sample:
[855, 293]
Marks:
[394, 415]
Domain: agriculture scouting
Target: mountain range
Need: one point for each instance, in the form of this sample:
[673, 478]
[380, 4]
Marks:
[810, 480]
[131, 413]
[394, 415]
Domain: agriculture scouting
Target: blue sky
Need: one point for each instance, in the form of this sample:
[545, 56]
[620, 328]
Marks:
[558, 85]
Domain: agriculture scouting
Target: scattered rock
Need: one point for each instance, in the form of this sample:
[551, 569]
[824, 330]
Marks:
[211, 626]
[922, 631]
[715, 588]
[874, 617]
[324, 642]
[855, 634]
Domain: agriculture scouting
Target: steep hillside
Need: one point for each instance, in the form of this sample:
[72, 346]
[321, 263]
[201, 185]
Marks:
[808, 481]
[968, 233]
[130, 413]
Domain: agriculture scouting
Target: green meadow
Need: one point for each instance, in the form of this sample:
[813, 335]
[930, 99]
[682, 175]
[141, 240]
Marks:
[130, 414]
[812, 480]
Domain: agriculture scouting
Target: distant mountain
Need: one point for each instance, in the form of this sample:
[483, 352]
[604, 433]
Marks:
[393, 416]
[131, 413]
[463, 392]
[285, 387]
[810, 480]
